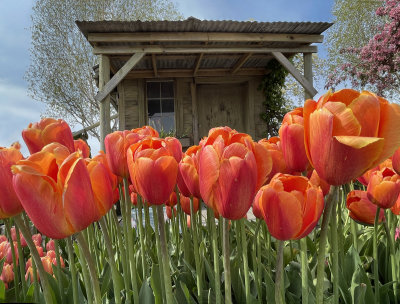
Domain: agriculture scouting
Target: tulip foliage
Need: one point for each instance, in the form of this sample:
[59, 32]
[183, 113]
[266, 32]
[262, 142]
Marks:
[230, 220]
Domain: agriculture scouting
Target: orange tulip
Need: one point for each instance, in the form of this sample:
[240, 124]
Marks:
[147, 131]
[185, 204]
[364, 179]
[117, 143]
[396, 161]
[7, 275]
[261, 154]
[291, 206]
[153, 169]
[188, 176]
[168, 211]
[9, 202]
[274, 148]
[396, 207]
[384, 188]
[47, 131]
[319, 182]
[291, 133]
[228, 177]
[256, 207]
[55, 190]
[361, 209]
[347, 133]
[81, 145]
[172, 200]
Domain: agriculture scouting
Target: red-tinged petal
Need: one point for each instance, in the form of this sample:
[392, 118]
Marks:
[282, 213]
[309, 108]
[384, 194]
[208, 173]
[345, 96]
[256, 205]
[396, 207]
[156, 179]
[175, 147]
[237, 183]
[396, 161]
[32, 139]
[181, 182]
[312, 210]
[58, 132]
[344, 121]
[389, 130]
[42, 204]
[81, 145]
[292, 140]
[102, 188]
[190, 177]
[78, 199]
[264, 163]
[362, 210]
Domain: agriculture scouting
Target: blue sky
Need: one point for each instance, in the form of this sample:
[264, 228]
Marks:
[17, 109]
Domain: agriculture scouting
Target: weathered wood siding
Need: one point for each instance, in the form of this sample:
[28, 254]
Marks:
[246, 105]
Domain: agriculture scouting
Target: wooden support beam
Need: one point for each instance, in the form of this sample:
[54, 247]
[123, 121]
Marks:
[197, 64]
[202, 37]
[117, 50]
[166, 73]
[241, 62]
[308, 73]
[154, 63]
[296, 74]
[104, 77]
[117, 78]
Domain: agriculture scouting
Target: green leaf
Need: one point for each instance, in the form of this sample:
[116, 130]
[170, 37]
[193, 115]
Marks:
[2, 292]
[146, 294]
[106, 280]
[29, 297]
[155, 283]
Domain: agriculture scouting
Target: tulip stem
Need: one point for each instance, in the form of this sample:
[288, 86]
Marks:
[122, 251]
[91, 266]
[35, 255]
[72, 269]
[21, 260]
[193, 226]
[304, 270]
[114, 271]
[330, 202]
[214, 240]
[245, 259]
[392, 260]
[375, 253]
[335, 257]
[227, 265]
[159, 257]
[141, 235]
[58, 270]
[131, 249]
[165, 256]
[279, 286]
[14, 258]
[257, 235]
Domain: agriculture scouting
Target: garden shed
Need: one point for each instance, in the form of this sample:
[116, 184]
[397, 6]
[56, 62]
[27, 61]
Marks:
[189, 76]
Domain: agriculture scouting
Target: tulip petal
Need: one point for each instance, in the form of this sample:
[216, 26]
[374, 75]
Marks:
[209, 166]
[344, 121]
[366, 109]
[78, 199]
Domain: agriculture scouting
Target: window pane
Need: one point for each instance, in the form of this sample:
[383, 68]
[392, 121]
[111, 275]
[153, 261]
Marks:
[168, 122]
[153, 107]
[167, 89]
[167, 106]
[153, 90]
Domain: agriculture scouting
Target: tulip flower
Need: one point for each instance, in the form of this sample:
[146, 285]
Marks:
[228, 177]
[274, 148]
[185, 204]
[361, 209]
[291, 134]
[5, 251]
[47, 131]
[291, 206]
[260, 152]
[172, 200]
[81, 145]
[116, 144]
[7, 274]
[50, 245]
[153, 169]
[9, 202]
[55, 190]
[347, 133]
[396, 207]
[147, 131]
[384, 188]
[396, 161]
[319, 182]
[364, 179]
[168, 211]
[21, 237]
[188, 176]
[3, 238]
[256, 207]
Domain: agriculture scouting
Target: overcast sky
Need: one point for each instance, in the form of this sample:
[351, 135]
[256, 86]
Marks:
[17, 109]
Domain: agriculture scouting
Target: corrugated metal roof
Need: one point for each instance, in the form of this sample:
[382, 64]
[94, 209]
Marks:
[196, 25]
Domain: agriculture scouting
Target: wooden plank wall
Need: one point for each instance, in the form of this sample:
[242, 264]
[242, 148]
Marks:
[130, 93]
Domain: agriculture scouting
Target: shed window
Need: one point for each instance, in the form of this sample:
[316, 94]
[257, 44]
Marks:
[160, 105]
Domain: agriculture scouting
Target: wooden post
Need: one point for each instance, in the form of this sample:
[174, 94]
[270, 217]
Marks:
[121, 106]
[104, 77]
[193, 92]
[308, 74]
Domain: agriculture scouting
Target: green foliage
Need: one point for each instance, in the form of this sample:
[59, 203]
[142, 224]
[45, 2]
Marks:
[275, 104]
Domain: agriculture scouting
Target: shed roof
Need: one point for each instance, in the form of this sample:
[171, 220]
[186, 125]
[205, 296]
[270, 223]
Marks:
[194, 47]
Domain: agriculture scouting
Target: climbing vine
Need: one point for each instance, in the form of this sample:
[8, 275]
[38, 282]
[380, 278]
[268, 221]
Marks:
[275, 105]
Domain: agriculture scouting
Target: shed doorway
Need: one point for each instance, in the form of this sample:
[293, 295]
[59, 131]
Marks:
[221, 105]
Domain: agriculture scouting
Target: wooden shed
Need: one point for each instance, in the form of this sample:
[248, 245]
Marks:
[189, 76]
